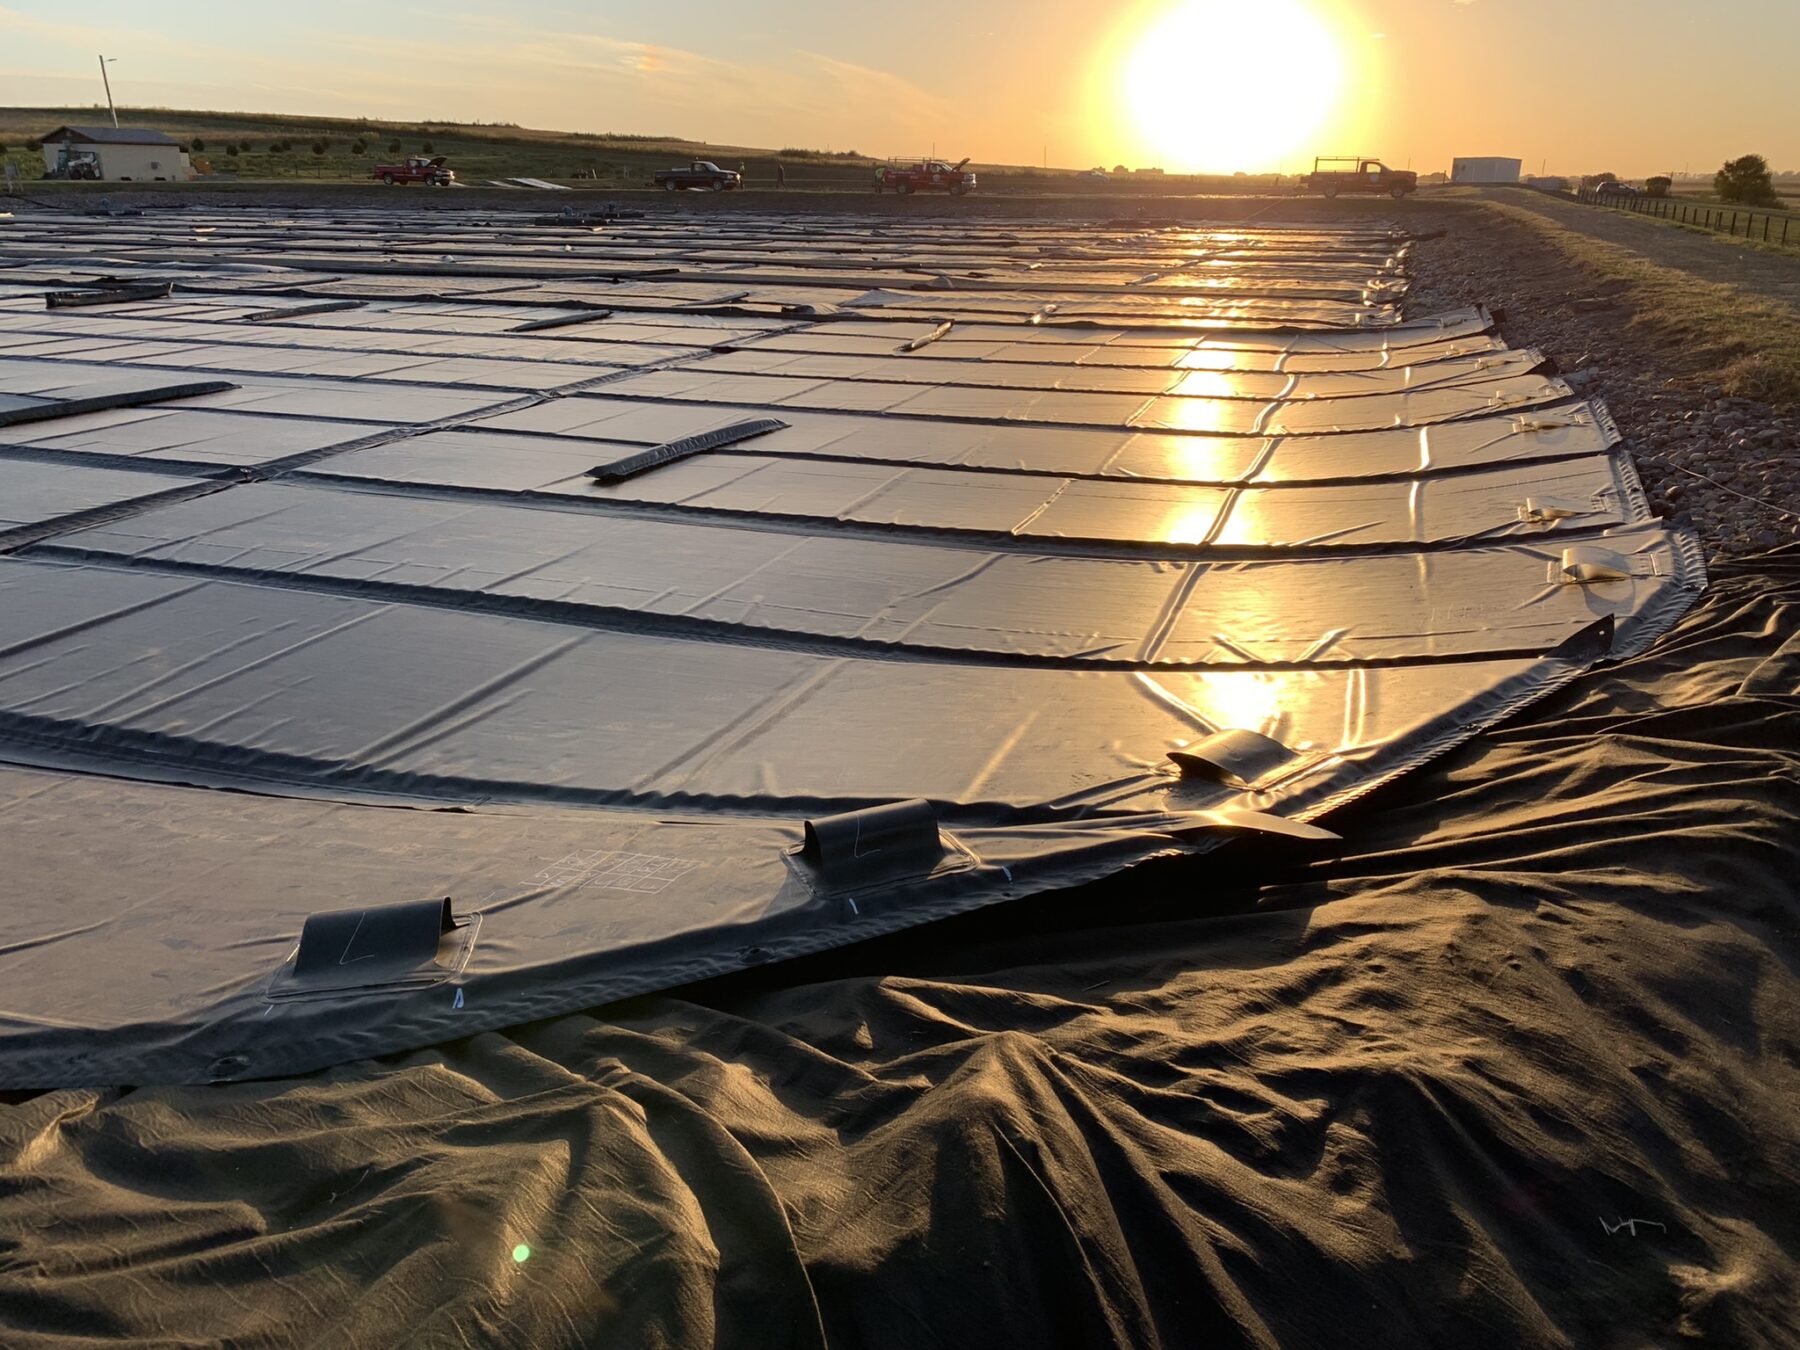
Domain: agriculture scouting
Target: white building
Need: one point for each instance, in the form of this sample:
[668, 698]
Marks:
[1485, 169]
[119, 154]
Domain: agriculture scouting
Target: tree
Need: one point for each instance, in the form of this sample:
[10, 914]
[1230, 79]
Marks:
[318, 148]
[232, 150]
[1120, 168]
[360, 147]
[1658, 186]
[393, 147]
[199, 145]
[34, 145]
[1746, 179]
[428, 149]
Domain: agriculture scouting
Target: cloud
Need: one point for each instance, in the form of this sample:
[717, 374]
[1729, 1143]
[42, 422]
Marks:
[489, 67]
[881, 85]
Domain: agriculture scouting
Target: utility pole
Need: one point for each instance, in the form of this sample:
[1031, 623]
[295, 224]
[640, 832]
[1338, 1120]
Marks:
[108, 83]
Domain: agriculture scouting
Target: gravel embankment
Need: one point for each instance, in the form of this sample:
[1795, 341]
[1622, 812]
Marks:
[1728, 466]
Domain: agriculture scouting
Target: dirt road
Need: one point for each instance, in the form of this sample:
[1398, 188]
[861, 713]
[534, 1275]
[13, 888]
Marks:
[1775, 276]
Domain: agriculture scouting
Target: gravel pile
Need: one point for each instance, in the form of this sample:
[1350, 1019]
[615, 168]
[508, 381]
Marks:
[1728, 466]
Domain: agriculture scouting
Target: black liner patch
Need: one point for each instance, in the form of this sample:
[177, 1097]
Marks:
[50, 409]
[658, 455]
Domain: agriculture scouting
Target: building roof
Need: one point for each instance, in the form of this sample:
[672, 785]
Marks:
[109, 136]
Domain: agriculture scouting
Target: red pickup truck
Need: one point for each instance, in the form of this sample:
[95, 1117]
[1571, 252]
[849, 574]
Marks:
[923, 175]
[418, 169]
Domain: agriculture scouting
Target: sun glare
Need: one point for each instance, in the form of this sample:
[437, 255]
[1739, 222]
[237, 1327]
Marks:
[1215, 86]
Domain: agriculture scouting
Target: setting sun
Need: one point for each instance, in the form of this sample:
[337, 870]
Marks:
[1216, 86]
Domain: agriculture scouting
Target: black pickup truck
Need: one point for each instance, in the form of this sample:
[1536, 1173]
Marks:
[1335, 174]
[702, 173]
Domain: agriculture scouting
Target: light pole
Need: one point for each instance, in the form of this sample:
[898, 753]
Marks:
[108, 83]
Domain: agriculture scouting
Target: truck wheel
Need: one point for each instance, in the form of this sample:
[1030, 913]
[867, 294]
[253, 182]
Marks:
[388, 178]
[717, 187]
[959, 189]
[1397, 191]
[668, 185]
[903, 188]
[1330, 190]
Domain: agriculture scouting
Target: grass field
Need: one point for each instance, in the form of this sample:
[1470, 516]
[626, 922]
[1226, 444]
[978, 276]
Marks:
[1753, 342]
[1787, 190]
[1768, 229]
[475, 152]
[481, 152]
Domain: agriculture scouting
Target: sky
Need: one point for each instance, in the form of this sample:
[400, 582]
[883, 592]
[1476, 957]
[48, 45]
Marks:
[1631, 86]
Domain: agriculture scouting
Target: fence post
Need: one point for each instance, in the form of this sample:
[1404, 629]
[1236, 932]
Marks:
[1765, 229]
[1734, 224]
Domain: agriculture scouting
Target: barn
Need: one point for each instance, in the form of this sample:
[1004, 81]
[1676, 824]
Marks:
[119, 154]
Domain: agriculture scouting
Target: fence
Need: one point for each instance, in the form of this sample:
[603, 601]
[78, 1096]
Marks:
[1771, 227]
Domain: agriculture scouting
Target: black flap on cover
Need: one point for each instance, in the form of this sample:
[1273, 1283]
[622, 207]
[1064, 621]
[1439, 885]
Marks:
[376, 947]
[875, 845]
[1236, 757]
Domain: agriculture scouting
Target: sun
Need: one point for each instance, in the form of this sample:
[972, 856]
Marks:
[1214, 86]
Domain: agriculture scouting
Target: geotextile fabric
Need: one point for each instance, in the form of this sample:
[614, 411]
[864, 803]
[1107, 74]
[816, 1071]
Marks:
[1516, 1066]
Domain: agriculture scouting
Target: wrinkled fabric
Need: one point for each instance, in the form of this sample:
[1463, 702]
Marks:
[1517, 1067]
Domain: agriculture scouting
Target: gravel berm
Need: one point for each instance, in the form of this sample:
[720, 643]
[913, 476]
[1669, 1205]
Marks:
[1729, 466]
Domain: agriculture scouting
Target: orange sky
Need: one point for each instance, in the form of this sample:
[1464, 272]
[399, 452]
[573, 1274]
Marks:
[1635, 86]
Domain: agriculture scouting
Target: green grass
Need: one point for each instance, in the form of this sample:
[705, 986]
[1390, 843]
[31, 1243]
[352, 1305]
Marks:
[1787, 195]
[1752, 344]
[1772, 217]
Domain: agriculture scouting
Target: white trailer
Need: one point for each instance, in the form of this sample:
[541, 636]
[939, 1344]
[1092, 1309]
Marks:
[1485, 169]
